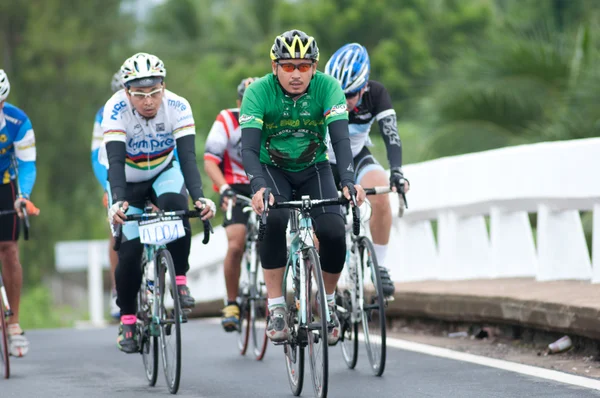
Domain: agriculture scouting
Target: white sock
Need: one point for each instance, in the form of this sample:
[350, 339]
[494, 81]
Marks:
[380, 253]
[330, 298]
[276, 302]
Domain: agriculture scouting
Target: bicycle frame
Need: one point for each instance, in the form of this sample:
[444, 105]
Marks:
[301, 239]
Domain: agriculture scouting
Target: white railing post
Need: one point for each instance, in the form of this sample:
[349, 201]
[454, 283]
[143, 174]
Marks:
[95, 284]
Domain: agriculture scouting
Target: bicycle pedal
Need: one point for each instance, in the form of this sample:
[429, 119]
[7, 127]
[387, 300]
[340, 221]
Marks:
[341, 309]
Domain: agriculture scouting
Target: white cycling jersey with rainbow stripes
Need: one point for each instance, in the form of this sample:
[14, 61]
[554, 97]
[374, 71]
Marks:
[150, 143]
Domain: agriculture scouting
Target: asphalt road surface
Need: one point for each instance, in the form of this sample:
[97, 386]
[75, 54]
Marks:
[86, 363]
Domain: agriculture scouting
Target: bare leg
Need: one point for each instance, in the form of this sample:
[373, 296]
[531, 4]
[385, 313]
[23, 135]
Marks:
[330, 281]
[274, 280]
[236, 235]
[12, 274]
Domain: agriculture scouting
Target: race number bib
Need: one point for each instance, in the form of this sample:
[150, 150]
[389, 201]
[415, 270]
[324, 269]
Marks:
[161, 231]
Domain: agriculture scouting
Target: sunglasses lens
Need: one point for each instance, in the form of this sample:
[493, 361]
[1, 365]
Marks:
[287, 67]
[304, 67]
[351, 95]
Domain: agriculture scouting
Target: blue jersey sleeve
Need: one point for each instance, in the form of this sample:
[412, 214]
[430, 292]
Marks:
[97, 137]
[25, 153]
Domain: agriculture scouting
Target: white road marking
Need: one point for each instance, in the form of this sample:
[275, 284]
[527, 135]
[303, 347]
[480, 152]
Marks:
[494, 363]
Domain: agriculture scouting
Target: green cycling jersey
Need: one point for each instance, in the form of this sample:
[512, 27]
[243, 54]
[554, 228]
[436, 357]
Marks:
[294, 130]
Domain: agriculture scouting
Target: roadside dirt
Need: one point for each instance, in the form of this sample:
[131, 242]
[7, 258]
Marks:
[513, 344]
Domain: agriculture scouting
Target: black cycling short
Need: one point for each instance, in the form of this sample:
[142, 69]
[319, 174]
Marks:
[237, 214]
[9, 225]
[364, 162]
[328, 222]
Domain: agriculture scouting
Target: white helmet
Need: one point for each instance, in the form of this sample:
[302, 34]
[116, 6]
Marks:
[116, 83]
[4, 85]
[145, 69]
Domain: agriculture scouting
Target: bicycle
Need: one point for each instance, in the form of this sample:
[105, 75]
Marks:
[308, 293]
[361, 304]
[5, 311]
[252, 296]
[156, 323]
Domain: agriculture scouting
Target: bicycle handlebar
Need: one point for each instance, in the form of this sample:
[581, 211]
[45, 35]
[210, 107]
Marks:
[307, 204]
[149, 216]
[386, 189]
[243, 198]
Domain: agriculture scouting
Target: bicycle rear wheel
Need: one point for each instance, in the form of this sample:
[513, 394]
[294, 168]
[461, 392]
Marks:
[149, 340]
[373, 314]
[316, 311]
[4, 354]
[258, 308]
[170, 321]
[294, 351]
[349, 337]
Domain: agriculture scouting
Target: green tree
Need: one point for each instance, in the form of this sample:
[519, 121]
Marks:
[60, 57]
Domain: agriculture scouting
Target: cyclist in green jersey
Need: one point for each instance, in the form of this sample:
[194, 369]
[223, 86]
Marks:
[285, 117]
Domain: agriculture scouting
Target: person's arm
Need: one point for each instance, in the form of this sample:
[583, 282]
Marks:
[386, 118]
[186, 149]
[213, 171]
[115, 137]
[251, 157]
[252, 113]
[115, 152]
[214, 150]
[97, 138]
[184, 132]
[340, 142]
[25, 154]
[389, 132]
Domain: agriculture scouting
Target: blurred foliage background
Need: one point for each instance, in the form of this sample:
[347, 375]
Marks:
[464, 75]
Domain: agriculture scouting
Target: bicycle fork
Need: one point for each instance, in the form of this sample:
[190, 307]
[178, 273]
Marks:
[7, 311]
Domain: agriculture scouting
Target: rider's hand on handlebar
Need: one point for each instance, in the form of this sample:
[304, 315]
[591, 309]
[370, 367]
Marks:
[208, 208]
[116, 213]
[258, 204]
[397, 181]
[29, 206]
[227, 194]
[356, 190]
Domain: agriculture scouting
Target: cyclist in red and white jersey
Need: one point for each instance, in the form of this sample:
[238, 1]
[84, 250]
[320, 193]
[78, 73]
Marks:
[223, 164]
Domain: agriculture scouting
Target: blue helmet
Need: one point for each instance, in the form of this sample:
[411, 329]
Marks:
[350, 66]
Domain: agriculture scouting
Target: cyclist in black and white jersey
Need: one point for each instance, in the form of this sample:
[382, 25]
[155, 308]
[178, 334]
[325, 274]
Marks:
[368, 101]
[144, 125]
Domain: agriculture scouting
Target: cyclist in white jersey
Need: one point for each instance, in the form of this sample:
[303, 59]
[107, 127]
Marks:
[368, 101]
[223, 164]
[144, 125]
[100, 171]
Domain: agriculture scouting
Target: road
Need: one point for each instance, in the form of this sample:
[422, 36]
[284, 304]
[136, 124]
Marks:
[86, 363]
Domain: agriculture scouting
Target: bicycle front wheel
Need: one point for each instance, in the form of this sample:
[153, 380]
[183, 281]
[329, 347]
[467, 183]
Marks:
[170, 321]
[294, 350]
[4, 354]
[258, 308]
[316, 319]
[149, 340]
[373, 301]
[349, 337]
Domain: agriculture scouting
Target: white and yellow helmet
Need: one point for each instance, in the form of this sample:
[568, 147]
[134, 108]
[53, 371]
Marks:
[4, 85]
[143, 70]
[294, 44]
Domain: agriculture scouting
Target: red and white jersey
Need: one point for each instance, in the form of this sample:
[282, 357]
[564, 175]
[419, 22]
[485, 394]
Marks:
[224, 146]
